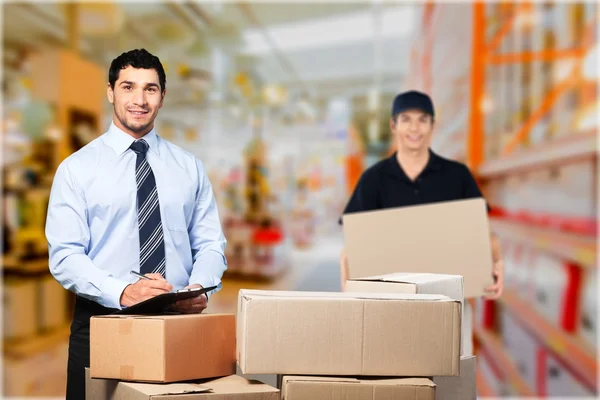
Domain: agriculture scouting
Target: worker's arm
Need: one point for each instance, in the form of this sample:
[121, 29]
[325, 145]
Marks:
[495, 290]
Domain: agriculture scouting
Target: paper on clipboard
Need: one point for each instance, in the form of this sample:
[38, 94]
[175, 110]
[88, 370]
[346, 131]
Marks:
[161, 303]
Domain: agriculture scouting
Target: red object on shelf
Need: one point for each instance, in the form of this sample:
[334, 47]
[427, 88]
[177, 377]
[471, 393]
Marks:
[489, 314]
[268, 236]
[571, 298]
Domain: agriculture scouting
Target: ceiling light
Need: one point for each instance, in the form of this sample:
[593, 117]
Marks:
[326, 32]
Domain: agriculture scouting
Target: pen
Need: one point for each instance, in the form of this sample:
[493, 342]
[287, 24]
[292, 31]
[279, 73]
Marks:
[140, 275]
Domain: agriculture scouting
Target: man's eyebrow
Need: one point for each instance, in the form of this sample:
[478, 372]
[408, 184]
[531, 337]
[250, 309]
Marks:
[132, 84]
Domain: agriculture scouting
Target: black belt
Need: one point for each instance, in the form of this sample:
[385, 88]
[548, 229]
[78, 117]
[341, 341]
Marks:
[85, 309]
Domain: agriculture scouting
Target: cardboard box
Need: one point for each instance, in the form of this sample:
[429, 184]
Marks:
[447, 238]
[333, 388]
[462, 387]
[415, 283]
[231, 387]
[421, 283]
[333, 333]
[165, 348]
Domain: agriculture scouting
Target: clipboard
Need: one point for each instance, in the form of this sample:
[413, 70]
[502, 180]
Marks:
[162, 303]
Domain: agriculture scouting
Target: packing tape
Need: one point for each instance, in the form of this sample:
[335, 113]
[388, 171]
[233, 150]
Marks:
[125, 327]
[126, 372]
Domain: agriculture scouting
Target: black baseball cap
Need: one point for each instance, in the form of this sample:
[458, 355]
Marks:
[412, 100]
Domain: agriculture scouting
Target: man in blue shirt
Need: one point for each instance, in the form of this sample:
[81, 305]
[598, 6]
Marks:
[131, 201]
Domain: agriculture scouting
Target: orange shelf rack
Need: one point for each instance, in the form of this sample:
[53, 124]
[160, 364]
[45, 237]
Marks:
[495, 348]
[578, 248]
[572, 350]
[483, 388]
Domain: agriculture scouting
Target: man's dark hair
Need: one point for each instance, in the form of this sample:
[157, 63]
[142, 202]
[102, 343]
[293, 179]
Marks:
[138, 58]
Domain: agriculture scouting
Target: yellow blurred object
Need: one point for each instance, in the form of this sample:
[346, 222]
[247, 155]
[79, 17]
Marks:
[183, 69]
[241, 79]
[274, 94]
[191, 134]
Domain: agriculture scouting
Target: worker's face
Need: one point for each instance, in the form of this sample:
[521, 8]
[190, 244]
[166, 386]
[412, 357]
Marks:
[412, 130]
[136, 99]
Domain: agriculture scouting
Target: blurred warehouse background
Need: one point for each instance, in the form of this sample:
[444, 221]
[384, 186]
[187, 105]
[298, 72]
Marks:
[287, 104]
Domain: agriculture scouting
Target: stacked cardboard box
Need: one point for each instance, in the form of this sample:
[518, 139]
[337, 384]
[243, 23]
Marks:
[393, 333]
[135, 357]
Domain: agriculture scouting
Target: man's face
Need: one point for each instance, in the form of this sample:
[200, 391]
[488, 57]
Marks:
[412, 130]
[136, 99]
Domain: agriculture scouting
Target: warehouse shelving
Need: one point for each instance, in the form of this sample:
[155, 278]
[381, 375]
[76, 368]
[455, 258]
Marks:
[494, 347]
[11, 264]
[573, 351]
[574, 247]
[558, 151]
[515, 128]
[36, 344]
[483, 388]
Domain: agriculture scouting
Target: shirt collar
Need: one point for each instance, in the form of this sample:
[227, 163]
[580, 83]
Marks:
[395, 168]
[120, 141]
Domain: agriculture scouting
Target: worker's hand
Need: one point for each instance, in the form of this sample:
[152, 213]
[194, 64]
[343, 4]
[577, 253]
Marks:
[195, 305]
[494, 291]
[145, 289]
[344, 269]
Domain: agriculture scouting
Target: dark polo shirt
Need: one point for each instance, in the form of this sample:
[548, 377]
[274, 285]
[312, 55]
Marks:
[385, 185]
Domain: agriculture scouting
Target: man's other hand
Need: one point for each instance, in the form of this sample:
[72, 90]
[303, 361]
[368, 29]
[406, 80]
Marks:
[494, 291]
[195, 305]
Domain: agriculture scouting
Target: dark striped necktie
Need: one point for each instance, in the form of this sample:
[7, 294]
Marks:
[152, 245]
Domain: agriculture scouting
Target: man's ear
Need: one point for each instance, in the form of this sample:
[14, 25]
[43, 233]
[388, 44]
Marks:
[110, 94]
[162, 98]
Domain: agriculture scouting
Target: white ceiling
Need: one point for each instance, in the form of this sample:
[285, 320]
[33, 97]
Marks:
[343, 69]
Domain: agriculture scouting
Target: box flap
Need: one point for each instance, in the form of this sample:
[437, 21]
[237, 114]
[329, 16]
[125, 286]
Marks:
[154, 389]
[248, 294]
[451, 237]
[362, 380]
[308, 378]
[408, 277]
[160, 317]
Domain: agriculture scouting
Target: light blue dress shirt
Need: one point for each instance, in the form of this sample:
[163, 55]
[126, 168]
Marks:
[92, 224]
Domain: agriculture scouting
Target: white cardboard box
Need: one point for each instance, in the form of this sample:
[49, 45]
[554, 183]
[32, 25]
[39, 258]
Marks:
[421, 283]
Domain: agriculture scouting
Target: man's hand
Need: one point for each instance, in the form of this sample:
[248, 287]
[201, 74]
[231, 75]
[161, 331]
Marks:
[344, 269]
[145, 289]
[495, 290]
[195, 305]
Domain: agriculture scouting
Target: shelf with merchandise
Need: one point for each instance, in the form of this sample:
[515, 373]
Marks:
[483, 387]
[494, 347]
[578, 248]
[559, 151]
[574, 351]
[29, 346]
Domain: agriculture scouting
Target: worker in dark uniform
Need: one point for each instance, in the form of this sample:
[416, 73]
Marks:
[415, 175]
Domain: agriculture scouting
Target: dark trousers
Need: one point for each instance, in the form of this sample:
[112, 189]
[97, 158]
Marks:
[79, 345]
